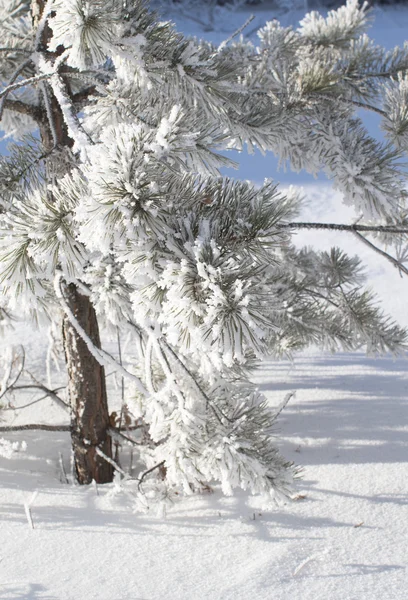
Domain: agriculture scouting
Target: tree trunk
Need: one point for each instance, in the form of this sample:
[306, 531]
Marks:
[87, 391]
[87, 387]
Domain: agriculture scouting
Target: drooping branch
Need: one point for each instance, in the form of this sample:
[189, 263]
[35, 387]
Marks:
[387, 256]
[355, 229]
[9, 383]
[381, 74]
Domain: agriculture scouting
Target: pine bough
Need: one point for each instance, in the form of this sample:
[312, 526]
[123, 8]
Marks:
[198, 269]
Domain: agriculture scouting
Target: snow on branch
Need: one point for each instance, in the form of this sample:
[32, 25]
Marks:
[103, 358]
[344, 227]
[42, 23]
[34, 427]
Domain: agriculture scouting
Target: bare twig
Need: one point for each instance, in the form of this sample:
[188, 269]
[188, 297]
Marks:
[62, 467]
[143, 475]
[126, 475]
[34, 427]
[343, 227]
[48, 393]
[113, 432]
[27, 509]
[283, 404]
[236, 32]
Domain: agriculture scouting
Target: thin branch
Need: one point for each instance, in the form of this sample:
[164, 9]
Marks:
[16, 408]
[21, 107]
[15, 50]
[355, 229]
[9, 87]
[317, 294]
[48, 393]
[369, 107]
[35, 427]
[122, 472]
[74, 125]
[387, 256]
[283, 404]
[342, 227]
[386, 74]
[113, 432]
[44, 427]
[50, 115]
[236, 32]
[122, 387]
[29, 81]
[363, 105]
[23, 171]
[142, 477]
[195, 19]
[208, 400]
[62, 467]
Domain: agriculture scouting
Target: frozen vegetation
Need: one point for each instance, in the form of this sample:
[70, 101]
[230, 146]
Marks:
[250, 448]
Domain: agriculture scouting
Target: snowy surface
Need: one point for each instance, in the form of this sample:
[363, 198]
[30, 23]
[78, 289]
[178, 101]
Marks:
[344, 538]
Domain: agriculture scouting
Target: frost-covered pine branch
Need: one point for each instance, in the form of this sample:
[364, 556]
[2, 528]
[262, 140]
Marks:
[125, 204]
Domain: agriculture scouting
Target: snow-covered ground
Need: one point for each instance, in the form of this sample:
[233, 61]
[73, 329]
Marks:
[344, 538]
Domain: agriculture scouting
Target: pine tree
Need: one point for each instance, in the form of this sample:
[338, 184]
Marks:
[117, 209]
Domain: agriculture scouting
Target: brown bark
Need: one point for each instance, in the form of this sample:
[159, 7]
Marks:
[87, 388]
